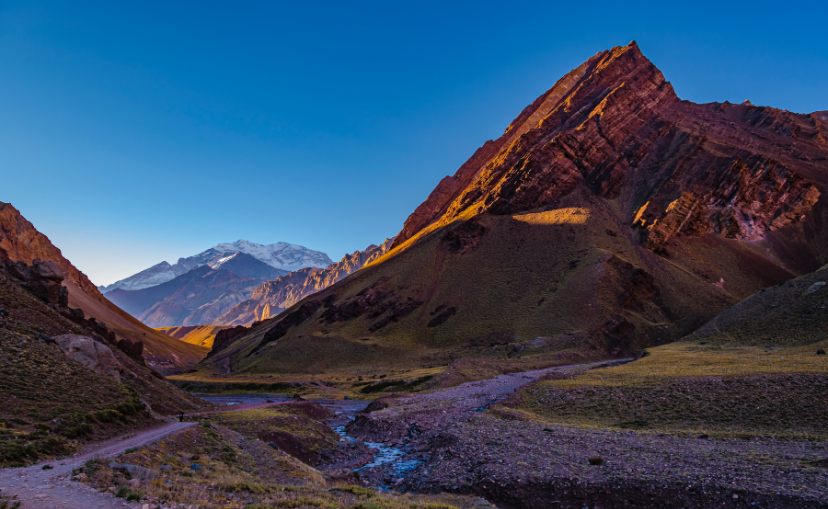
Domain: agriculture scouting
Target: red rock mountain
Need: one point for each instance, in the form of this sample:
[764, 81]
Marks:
[283, 292]
[610, 216]
[20, 241]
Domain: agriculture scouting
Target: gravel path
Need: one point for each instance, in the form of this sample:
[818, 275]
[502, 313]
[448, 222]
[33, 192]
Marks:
[36, 488]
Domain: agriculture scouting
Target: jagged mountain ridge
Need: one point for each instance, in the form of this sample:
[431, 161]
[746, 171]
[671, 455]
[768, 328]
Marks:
[281, 256]
[21, 241]
[274, 296]
[610, 211]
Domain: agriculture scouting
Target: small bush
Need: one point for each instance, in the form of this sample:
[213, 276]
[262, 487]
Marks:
[130, 495]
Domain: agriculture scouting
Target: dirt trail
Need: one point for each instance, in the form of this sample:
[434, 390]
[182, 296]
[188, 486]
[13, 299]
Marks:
[38, 488]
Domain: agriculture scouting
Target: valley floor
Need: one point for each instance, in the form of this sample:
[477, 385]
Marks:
[478, 439]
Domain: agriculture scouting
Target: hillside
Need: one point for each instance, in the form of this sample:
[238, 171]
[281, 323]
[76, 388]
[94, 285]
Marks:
[48, 399]
[22, 242]
[274, 296]
[201, 335]
[611, 216]
[794, 313]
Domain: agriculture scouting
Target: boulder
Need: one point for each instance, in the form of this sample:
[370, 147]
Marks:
[47, 270]
[90, 353]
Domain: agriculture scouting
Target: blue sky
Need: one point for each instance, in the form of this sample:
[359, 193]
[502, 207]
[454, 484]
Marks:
[145, 131]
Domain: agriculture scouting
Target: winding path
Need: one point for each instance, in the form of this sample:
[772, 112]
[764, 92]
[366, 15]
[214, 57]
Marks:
[37, 488]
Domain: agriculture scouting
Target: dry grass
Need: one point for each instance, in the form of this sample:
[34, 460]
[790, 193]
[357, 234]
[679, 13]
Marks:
[294, 427]
[688, 388]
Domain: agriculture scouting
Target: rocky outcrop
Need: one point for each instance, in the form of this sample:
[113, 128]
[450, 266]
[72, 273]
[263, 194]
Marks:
[22, 242]
[273, 297]
[43, 279]
[92, 354]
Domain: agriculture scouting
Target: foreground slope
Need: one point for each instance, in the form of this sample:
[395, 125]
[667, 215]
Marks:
[22, 242]
[794, 313]
[48, 398]
[610, 216]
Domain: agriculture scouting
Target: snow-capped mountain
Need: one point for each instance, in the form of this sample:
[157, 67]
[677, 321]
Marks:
[281, 255]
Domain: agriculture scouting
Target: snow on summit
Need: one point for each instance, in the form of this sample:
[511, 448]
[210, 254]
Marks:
[280, 255]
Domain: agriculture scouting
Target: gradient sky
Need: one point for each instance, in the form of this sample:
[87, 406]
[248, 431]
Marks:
[135, 132]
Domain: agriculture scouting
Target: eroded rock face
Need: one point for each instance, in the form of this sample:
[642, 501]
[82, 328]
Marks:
[22, 242]
[90, 353]
[43, 279]
[616, 126]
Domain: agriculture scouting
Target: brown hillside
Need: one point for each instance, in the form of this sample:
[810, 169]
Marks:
[22, 242]
[611, 216]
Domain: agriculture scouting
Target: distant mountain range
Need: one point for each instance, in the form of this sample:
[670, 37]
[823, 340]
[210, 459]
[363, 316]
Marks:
[234, 289]
[281, 257]
[274, 296]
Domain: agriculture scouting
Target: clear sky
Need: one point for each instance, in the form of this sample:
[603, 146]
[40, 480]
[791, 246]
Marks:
[135, 132]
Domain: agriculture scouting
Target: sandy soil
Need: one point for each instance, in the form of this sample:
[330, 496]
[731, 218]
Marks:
[38, 488]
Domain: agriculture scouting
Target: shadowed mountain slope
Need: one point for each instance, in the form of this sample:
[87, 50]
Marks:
[52, 396]
[794, 313]
[195, 298]
[609, 217]
[22, 242]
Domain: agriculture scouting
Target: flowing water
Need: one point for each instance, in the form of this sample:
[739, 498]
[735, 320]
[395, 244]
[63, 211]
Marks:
[384, 454]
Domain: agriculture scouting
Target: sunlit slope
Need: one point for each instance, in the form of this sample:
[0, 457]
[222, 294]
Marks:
[199, 335]
[573, 275]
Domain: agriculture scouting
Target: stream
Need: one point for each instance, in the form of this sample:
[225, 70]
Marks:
[384, 454]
